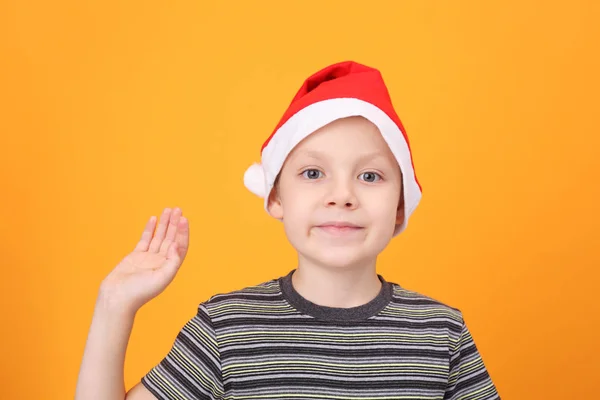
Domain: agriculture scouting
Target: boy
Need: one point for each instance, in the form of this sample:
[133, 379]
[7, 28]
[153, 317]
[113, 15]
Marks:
[337, 171]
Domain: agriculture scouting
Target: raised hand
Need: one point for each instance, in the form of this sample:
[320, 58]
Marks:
[151, 266]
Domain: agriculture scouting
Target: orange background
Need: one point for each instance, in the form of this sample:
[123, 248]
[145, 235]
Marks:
[111, 111]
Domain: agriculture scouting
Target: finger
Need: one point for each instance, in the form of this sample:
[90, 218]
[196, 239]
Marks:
[160, 231]
[146, 235]
[173, 254]
[183, 237]
[171, 230]
[171, 264]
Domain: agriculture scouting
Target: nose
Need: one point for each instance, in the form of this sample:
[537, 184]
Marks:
[341, 194]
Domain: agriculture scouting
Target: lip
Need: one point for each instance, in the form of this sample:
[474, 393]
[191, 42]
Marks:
[338, 224]
[339, 228]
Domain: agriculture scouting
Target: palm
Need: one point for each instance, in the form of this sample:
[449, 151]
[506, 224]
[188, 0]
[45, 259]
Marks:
[152, 265]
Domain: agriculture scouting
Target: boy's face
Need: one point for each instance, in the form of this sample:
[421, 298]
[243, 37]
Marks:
[339, 194]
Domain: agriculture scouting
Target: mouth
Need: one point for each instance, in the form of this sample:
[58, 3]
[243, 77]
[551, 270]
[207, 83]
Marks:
[339, 228]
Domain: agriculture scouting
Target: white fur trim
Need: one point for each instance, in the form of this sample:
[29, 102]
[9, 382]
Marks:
[254, 180]
[317, 115]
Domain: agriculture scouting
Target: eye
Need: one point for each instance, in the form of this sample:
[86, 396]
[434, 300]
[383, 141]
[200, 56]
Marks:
[312, 174]
[370, 176]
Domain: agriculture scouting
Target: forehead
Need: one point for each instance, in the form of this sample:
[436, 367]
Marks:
[351, 135]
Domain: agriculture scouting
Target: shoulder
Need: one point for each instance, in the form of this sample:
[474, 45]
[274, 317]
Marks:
[248, 299]
[421, 306]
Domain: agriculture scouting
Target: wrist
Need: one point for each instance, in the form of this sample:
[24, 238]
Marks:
[110, 303]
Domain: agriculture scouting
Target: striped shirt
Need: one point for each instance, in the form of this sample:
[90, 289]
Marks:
[268, 342]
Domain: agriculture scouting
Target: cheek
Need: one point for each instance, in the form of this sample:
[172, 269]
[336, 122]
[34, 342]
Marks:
[297, 205]
[384, 216]
[296, 220]
[383, 209]
[298, 208]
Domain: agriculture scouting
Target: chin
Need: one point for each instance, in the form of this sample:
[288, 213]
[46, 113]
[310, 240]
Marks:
[338, 258]
[337, 253]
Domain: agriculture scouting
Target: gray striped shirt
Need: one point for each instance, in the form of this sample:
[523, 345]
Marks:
[268, 342]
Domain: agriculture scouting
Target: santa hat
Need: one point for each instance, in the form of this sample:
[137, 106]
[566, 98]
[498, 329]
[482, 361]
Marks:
[340, 90]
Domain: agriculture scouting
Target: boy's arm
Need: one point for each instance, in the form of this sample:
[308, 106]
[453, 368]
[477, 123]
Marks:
[101, 373]
[139, 277]
[469, 378]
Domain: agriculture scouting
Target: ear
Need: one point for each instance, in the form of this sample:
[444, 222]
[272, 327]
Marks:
[400, 211]
[274, 205]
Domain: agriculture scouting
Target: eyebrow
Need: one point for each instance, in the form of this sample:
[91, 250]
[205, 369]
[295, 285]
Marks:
[363, 158]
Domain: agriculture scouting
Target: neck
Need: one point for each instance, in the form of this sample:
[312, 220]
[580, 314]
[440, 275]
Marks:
[341, 287]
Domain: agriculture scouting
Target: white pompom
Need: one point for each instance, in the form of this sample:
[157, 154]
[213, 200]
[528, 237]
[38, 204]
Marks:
[254, 180]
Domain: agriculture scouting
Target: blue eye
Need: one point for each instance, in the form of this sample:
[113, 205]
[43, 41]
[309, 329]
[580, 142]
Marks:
[312, 174]
[370, 176]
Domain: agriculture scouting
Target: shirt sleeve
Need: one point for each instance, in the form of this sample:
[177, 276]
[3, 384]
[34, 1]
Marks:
[192, 368]
[469, 378]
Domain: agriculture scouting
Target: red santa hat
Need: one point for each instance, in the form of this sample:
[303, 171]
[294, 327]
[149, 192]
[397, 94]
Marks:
[340, 90]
